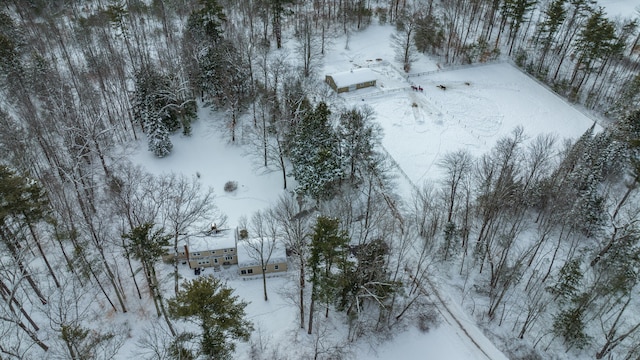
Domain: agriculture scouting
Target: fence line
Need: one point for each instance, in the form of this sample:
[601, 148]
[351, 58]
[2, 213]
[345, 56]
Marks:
[377, 93]
[459, 66]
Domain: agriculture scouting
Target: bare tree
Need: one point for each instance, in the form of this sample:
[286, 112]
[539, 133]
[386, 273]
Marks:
[15, 318]
[73, 320]
[185, 206]
[457, 166]
[309, 47]
[293, 221]
[262, 241]
[402, 41]
[155, 342]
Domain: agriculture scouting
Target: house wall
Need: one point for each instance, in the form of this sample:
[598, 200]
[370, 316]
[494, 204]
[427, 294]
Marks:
[329, 80]
[169, 257]
[257, 269]
[366, 84]
[358, 86]
[210, 258]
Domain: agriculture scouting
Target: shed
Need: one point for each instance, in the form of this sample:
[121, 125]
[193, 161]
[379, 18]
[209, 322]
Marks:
[351, 80]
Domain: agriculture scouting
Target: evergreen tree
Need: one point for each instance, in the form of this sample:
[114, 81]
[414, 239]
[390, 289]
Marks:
[205, 24]
[328, 248]
[366, 281]
[278, 10]
[315, 154]
[429, 35]
[570, 325]
[629, 101]
[158, 141]
[10, 41]
[22, 205]
[209, 303]
[148, 247]
[568, 284]
[358, 138]
[596, 42]
[516, 12]
[554, 16]
[225, 79]
[161, 107]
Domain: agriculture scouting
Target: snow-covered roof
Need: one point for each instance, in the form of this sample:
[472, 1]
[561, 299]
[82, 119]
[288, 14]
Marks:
[246, 254]
[223, 239]
[355, 76]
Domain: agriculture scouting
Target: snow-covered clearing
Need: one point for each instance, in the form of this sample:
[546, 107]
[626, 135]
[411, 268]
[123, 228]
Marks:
[480, 105]
[467, 108]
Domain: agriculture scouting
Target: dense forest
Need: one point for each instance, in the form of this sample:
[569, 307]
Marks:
[544, 233]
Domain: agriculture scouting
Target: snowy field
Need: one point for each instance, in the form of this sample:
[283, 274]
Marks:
[480, 105]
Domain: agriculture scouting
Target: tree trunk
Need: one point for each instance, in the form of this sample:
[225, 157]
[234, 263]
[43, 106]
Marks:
[301, 294]
[133, 275]
[311, 309]
[11, 246]
[44, 257]
[264, 282]
[158, 296]
[4, 291]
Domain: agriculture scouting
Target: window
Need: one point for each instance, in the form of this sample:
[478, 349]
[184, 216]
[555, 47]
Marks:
[196, 254]
[228, 257]
[225, 250]
[250, 271]
[243, 272]
[215, 261]
[213, 252]
[230, 250]
[276, 267]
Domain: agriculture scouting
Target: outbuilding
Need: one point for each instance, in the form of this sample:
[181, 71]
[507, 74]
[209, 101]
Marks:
[351, 80]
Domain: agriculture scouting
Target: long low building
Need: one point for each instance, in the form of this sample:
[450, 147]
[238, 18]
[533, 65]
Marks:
[351, 80]
[211, 249]
[227, 247]
[249, 251]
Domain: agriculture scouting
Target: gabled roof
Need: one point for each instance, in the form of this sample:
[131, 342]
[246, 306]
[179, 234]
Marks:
[355, 76]
[223, 239]
[245, 253]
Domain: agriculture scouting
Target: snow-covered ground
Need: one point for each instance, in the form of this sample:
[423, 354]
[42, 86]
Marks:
[480, 105]
[621, 8]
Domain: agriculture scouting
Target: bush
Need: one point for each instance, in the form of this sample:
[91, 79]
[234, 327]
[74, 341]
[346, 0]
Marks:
[427, 320]
[231, 186]
[244, 234]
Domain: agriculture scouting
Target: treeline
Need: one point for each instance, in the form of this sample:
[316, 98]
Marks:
[572, 45]
[82, 227]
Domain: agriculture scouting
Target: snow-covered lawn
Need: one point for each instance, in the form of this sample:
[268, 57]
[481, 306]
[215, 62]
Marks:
[480, 105]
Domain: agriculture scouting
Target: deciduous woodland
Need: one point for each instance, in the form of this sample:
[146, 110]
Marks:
[539, 237]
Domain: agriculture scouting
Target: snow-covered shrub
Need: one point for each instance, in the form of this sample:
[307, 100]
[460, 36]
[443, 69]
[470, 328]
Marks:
[230, 186]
